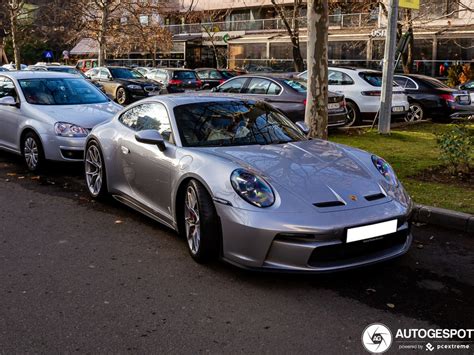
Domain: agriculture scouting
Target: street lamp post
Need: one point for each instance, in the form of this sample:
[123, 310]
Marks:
[388, 69]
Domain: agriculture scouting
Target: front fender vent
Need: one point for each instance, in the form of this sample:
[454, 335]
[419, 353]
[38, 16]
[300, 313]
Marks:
[329, 204]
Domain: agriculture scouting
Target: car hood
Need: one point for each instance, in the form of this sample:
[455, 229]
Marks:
[319, 172]
[86, 116]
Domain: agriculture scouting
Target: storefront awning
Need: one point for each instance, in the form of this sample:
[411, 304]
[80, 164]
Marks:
[86, 46]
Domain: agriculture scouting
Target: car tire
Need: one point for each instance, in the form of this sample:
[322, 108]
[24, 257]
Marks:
[200, 224]
[32, 152]
[95, 174]
[353, 114]
[121, 96]
[415, 112]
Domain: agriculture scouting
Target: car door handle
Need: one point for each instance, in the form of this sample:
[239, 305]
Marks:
[125, 150]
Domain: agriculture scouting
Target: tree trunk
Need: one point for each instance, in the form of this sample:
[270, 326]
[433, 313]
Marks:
[14, 10]
[297, 57]
[101, 35]
[407, 57]
[316, 115]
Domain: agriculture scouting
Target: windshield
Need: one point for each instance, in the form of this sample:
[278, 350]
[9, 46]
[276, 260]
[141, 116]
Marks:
[124, 73]
[184, 75]
[67, 70]
[59, 91]
[233, 123]
[297, 85]
[374, 79]
[227, 74]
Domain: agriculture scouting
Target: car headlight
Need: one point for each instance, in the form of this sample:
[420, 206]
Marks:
[385, 169]
[252, 188]
[134, 87]
[64, 129]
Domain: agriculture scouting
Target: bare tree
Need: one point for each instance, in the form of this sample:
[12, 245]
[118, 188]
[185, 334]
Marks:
[100, 21]
[291, 21]
[316, 115]
[143, 27]
[15, 8]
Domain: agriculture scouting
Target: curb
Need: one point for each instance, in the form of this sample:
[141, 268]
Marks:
[445, 218]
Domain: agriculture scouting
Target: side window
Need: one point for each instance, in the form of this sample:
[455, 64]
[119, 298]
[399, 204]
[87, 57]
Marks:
[258, 86]
[103, 74]
[214, 74]
[203, 74]
[410, 84]
[92, 73]
[7, 88]
[233, 86]
[339, 78]
[148, 116]
[401, 81]
[274, 89]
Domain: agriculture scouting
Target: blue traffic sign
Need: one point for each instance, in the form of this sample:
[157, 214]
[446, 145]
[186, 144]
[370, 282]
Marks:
[48, 54]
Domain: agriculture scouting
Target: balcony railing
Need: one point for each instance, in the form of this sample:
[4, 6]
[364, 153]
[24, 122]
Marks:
[342, 20]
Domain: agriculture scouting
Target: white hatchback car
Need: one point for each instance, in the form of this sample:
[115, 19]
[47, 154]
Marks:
[47, 115]
[362, 89]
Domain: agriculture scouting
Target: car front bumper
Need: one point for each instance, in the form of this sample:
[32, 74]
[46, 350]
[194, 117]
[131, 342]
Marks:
[63, 148]
[306, 242]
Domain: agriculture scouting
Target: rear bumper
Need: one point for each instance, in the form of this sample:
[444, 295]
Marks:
[338, 119]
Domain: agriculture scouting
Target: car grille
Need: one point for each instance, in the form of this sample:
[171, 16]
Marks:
[328, 255]
[150, 88]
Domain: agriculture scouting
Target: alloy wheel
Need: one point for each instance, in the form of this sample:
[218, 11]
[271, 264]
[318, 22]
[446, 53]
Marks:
[94, 170]
[415, 113]
[31, 153]
[192, 220]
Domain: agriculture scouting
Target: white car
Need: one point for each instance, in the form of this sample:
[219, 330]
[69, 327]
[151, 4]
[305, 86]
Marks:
[362, 89]
[47, 116]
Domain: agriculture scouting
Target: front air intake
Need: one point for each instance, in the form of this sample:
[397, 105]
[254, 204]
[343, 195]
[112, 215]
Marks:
[329, 204]
[374, 197]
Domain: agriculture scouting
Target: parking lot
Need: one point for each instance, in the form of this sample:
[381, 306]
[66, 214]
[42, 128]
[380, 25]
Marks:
[85, 276]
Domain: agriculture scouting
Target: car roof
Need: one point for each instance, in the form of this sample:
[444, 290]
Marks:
[183, 99]
[37, 74]
[352, 69]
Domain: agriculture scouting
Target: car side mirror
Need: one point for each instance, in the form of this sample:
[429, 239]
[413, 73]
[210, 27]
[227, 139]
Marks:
[214, 89]
[303, 126]
[9, 101]
[151, 136]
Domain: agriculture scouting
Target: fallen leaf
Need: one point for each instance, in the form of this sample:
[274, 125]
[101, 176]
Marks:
[21, 177]
[118, 221]
[390, 305]
[11, 174]
[35, 178]
[420, 246]
[371, 290]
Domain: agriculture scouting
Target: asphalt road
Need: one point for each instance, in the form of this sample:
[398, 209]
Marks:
[92, 277]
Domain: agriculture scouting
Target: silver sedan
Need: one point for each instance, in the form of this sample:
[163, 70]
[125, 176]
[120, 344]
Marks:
[47, 116]
[240, 181]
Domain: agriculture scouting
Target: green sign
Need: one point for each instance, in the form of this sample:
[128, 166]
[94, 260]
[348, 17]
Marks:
[226, 37]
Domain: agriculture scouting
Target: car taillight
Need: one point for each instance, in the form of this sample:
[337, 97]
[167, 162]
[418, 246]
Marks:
[198, 82]
[175, 82]
[448, 97]
[344, 103]
[222, 81]
[371, 93]
[304, 102]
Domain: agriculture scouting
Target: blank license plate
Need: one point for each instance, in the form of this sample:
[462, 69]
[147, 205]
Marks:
[333, 106]
[398, 109]
[464, 99]
[371, 231]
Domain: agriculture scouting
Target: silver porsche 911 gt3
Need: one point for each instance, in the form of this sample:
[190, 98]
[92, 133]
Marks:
[239, 180]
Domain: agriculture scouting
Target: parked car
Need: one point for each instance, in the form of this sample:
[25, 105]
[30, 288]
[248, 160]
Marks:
[64, 69]
[430, 97]
[469, 86]
[176, 80]
[86, 64]
[12, 66]
[273, 200]
[3, 69]
[287, 95]
[362, 89]
[213, 77]
[124, 85]
[143, 70]
[47, 116]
